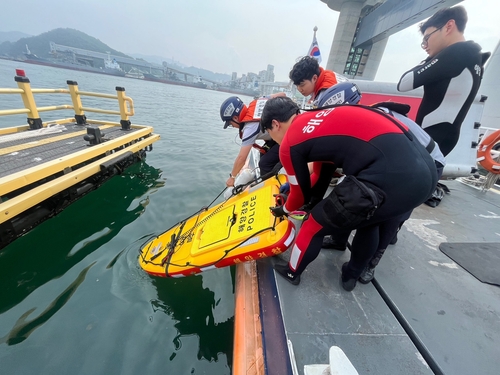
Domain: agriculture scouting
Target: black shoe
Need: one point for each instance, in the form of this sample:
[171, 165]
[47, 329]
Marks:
[287, 273]
[348, 283]
[431, 202]
[367, 275]
[394, 240]
[330, 243]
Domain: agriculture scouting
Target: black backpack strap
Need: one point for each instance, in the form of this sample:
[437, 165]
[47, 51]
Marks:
[401, 108]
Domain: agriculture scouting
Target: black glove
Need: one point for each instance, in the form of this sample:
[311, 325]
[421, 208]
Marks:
[278, 211]
[305, 208]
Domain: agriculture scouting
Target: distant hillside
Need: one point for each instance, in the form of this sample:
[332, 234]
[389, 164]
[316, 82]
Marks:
[39, 45]
[12, 36]
[14, 47]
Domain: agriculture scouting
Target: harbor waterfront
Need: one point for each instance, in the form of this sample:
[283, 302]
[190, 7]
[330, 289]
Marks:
[74, 299]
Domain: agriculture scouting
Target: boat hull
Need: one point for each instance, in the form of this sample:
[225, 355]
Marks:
[81, 68]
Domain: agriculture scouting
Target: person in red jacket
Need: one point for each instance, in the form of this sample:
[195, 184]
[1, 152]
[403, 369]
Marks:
[234, 113]
[311, 79]
[387, 173]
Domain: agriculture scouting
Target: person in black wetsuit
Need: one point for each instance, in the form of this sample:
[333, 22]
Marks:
[451, 76]
[387, 173]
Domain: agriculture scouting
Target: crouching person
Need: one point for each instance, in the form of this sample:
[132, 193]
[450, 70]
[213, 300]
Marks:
[387, 173]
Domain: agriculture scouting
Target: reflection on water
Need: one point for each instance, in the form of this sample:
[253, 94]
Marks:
[94, 221]
[194, 318]
[23, 328]
[74, 299]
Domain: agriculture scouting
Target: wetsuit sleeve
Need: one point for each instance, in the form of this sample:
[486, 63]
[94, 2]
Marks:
[447, 64]
[298, 177]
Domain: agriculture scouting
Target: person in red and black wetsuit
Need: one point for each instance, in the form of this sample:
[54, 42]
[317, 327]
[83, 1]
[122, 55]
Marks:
[388, 173]
[311, 79]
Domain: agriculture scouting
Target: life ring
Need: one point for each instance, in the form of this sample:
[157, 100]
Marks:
[484, 157]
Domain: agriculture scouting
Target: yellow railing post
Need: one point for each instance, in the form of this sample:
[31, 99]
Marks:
[80, 117]
[34, 120]
[124, 121]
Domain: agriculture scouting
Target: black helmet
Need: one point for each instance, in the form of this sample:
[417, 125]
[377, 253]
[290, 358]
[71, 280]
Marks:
[231, 107]
[341, 93]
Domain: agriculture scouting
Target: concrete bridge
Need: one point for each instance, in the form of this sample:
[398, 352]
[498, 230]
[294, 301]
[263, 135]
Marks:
[97, 59]
[364, 27]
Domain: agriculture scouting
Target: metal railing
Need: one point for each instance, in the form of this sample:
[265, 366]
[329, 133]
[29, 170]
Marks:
[125, 103]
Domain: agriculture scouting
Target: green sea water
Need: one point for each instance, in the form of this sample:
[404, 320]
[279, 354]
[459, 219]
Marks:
[73, 297]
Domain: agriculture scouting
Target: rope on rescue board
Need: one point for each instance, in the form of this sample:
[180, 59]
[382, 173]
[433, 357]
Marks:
[178, 239]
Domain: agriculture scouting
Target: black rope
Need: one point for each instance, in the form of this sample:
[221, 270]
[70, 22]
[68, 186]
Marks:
[227, 251]
[257, 180]
[179, 239]
[175, 240]
[419, 344]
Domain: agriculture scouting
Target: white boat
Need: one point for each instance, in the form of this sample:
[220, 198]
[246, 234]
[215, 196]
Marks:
[111, 66]
[425, 312]
[134, 73]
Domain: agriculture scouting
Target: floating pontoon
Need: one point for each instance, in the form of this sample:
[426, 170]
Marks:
[45, 166]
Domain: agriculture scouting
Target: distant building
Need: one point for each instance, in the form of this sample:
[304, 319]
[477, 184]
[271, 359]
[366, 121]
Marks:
[251, 76]
[263, 81]
[270, 73]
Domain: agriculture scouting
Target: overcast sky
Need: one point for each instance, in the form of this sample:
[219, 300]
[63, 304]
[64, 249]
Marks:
[227, 35]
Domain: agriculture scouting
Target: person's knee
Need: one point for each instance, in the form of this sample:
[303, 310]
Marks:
[267, 163]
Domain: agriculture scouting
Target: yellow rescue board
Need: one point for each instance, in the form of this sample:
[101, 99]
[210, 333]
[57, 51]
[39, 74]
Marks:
[238, 230]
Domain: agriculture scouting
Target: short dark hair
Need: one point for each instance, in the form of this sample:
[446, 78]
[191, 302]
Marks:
[304, 69]
[439, 19]
[280, 108]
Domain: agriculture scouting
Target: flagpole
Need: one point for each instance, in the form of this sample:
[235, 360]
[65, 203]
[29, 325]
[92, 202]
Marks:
[314, 49]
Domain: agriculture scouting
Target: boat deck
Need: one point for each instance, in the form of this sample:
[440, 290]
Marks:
[422, 314]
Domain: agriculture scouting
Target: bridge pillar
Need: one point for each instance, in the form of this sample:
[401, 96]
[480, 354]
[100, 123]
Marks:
[372, 64]
[350, 12]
